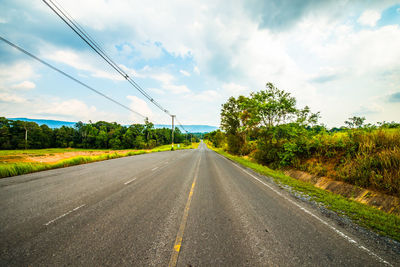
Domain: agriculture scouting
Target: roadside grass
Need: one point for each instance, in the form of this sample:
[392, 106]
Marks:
[363, 215]
[18, 168]
[42, 152]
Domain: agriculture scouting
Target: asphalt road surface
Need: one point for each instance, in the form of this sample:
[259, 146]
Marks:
[180, 208]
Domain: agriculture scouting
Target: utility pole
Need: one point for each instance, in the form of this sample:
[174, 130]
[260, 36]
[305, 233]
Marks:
[173, 129]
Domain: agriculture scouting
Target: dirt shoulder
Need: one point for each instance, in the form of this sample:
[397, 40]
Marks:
[54, 157]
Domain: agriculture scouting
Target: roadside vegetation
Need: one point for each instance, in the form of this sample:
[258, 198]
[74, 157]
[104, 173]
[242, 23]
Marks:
[269, 128]
[99, 135]
[366, 216]
[90, 142]
[14, 162]
[267, 132]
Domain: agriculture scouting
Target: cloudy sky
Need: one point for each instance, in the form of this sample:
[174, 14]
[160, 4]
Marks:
[339, 57]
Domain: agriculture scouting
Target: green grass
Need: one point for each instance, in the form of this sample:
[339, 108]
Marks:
[45, 151]
[366, 216]
[12, 169]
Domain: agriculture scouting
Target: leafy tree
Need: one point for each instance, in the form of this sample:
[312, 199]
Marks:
[271, 107]
[232, 123]
[92, 135]
[355, 122]
[5, 135]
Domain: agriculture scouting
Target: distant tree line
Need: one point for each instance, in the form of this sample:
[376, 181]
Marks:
[101, 134]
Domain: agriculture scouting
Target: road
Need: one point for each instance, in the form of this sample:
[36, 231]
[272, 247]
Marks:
[183, 208]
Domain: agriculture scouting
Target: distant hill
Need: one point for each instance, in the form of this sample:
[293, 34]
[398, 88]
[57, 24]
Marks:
[191, 128]
[51, 123]
[58, 124]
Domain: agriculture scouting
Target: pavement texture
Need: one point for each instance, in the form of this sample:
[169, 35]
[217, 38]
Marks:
[178, 208]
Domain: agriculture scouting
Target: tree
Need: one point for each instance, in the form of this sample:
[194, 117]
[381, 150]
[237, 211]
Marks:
[271, 107]
[306, 117]
[5, 135]
[355, 122]
[232, 124]
[92, 135]
[230, 116]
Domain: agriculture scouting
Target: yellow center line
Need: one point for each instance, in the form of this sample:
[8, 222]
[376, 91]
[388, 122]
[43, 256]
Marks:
[178, 241]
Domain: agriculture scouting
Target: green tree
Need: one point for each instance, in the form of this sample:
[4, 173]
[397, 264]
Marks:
[355, 122]
[5, 135]
[271, 107]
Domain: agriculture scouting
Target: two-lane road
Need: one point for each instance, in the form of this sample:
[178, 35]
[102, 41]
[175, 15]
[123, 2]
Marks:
[185, 208]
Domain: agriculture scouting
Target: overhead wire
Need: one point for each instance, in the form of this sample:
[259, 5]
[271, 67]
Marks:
[183, 128]
[70, 77]
[68, 19]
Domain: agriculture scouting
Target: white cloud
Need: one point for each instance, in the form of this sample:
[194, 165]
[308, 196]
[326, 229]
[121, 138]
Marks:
[148, 50]
[72, 108]
[167, 82]
[369, 18]
[157, 91]
[81, 61]
[185, 73]
[140, 106]
[18, 72]
[131, 72]
[368, 109]
[52, 108]
[234, 89]
[205, 96]
[12, 98]
[164, 78]
[126, 50]
[25, 85]
[176, 89]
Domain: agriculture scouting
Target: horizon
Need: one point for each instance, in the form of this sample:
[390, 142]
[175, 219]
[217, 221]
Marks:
[36, 119]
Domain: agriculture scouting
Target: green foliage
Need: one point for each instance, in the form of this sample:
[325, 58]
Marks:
[270, 107]
[263, 116]
[268, 126]
[216, 137]
[355, 122]
[92, 135]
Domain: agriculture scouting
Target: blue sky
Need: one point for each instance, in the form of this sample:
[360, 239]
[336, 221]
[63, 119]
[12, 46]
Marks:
[341, 58]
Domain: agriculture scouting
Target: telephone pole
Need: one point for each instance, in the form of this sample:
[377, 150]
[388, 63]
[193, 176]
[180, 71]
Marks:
[173, 129]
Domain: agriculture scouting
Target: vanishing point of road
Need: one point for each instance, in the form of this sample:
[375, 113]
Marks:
[176, 208]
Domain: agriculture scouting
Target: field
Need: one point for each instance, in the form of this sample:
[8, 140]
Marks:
[16, 162]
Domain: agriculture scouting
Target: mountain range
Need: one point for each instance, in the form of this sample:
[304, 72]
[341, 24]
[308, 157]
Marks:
[58, 124]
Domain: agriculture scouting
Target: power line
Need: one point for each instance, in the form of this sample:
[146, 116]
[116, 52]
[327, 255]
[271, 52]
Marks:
[61, 13]
[181, 126]
[69, 76]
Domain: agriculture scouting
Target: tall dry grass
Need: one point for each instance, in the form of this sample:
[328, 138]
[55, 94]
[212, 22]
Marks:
[368, 159]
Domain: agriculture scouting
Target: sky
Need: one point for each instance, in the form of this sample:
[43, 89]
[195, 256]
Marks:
[339, 57]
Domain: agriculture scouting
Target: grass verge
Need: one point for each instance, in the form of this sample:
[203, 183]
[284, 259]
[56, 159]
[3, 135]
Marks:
[363, 215]
[13, 169]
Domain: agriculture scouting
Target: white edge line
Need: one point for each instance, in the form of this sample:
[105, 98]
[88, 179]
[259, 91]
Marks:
[130, 181]
[65, 214]
[349, 239]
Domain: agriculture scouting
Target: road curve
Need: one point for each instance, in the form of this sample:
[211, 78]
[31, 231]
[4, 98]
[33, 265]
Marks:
[183, 208]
